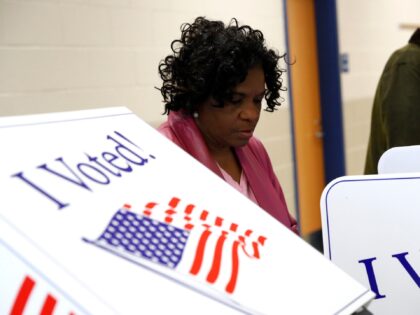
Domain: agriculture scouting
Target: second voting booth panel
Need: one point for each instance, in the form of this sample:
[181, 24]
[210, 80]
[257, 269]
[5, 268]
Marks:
[371, 230]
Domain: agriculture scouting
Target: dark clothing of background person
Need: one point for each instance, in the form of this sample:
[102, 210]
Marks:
[396, 109]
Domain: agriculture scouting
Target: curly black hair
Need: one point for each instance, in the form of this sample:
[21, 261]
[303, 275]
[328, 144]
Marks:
[210, 59]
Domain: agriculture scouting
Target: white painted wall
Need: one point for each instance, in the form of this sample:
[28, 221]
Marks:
[59, 55]
[369, 31]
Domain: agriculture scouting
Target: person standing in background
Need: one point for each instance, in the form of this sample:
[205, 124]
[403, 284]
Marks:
[214, 83]
[395, 117]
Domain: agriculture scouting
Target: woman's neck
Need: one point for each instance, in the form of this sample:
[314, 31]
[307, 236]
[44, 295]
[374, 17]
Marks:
[228, 161]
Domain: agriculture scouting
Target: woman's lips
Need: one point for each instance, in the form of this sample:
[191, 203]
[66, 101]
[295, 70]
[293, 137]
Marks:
[246, 133]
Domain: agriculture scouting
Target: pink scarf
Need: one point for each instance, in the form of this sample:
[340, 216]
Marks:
[256, 165]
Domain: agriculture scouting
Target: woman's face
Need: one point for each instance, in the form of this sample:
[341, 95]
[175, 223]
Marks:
[233, 124]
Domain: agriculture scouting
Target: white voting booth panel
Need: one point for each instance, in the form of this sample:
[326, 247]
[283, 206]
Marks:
[371, 230]
[400, 160]
[33, 283]
[100, 214]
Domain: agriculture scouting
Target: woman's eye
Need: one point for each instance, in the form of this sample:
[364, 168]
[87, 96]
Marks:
[236, 101]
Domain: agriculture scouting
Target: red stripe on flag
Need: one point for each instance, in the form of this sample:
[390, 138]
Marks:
[218, 221]
[256, 251]
[243, 245]
[23, 296]
[262, 240]
[199, 254]
[49, 305]
[233, 227]
[174, 202]
[217, 258]
[230, 287]
[204, 215]
[189, 209]
[170, 213]
[248, 232]
[149, 206]
[189, 226]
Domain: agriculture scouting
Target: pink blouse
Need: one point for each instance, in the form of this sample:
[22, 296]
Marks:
[242, 186]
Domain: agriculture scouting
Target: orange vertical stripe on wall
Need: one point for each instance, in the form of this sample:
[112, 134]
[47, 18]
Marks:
[306, 112]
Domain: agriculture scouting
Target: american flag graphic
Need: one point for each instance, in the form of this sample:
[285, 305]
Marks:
[144, 237]
[161, 234]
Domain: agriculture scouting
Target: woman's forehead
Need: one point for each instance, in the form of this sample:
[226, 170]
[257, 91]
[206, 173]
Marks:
[254, 82]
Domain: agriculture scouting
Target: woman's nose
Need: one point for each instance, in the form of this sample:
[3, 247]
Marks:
[250, 111]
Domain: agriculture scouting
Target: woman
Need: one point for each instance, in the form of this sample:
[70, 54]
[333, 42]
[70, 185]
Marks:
[213, 87]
